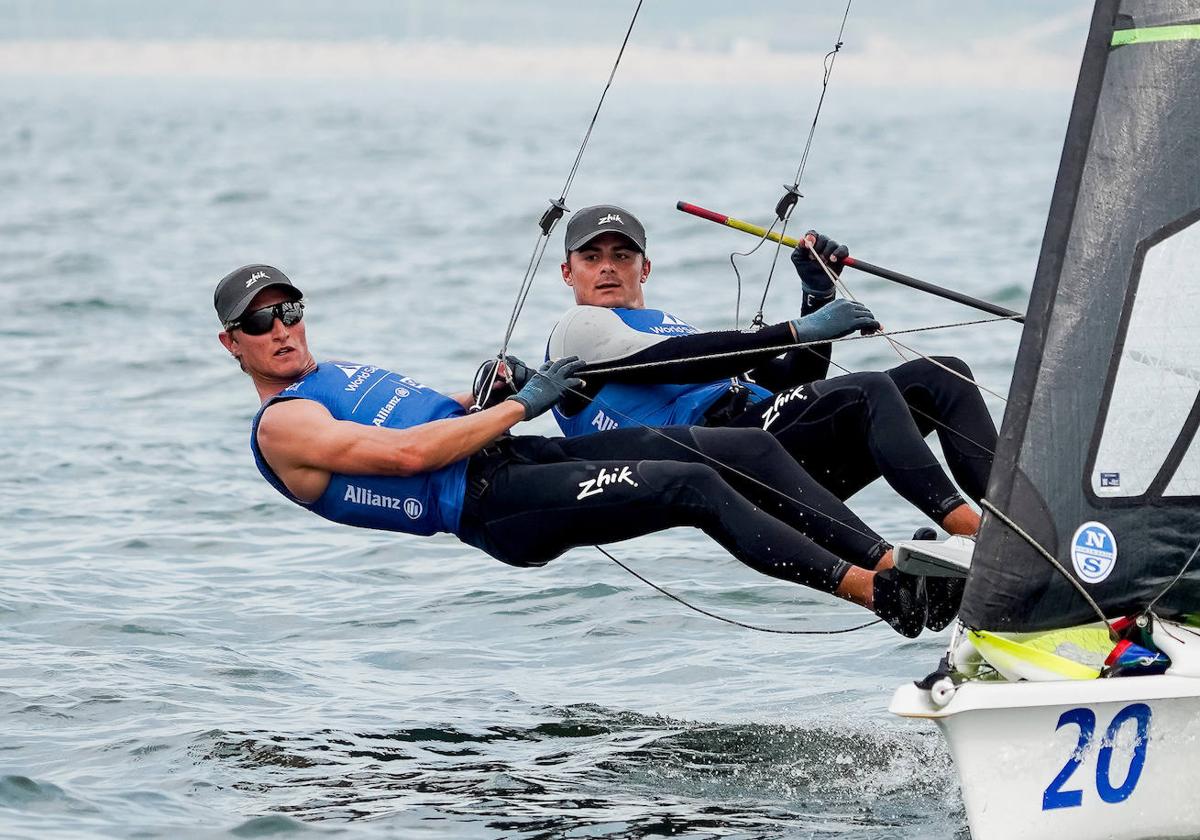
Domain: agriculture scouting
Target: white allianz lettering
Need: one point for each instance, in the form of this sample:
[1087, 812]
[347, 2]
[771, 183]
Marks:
[382, 415]
[363, 496]
[780, 401]
[605, 478]
[603, 422]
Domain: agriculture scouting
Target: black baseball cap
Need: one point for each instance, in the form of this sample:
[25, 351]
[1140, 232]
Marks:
[590, 222]
[238, 288]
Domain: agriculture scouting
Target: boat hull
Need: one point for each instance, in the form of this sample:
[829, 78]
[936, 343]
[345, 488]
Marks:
[1116, 758]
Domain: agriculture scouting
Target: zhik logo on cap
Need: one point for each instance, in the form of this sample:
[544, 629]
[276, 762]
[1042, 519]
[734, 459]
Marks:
[258, 275]
[611, 217]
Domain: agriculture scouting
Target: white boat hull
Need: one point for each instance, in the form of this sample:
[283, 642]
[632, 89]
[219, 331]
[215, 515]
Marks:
[1114, 758]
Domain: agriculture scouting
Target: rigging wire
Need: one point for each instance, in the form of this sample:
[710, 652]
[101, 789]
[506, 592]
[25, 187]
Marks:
[787, 203]
[732, 621]
[1176, 580]
[551, 217]
[737, 305]
[896, 345]
[782, 348]
[946, 426]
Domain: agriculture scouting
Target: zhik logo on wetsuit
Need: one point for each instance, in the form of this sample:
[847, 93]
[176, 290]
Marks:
[595, 486]
[781, 400]
[611, 217]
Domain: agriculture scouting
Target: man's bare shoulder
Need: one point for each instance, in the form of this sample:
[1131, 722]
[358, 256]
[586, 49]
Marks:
[290, 419]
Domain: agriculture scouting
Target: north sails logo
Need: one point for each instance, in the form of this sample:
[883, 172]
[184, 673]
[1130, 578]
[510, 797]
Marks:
[611, 217]
[780, 401]
[362, 496]
[258, 275]
[595, 486]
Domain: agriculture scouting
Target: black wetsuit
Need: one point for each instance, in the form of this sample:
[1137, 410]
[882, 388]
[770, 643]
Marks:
[531, 498]
[852, 429]
[846, 430]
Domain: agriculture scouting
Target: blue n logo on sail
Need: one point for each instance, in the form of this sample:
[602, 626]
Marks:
[1093, 552]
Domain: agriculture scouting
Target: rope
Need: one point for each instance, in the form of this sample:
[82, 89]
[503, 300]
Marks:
[787, 203]
[1052, 561]
[896, 345]
[734, 622]
[782, 348]
[1178, 577]
[931, 418]
[737, 306]
[551, 217]
[830, 58]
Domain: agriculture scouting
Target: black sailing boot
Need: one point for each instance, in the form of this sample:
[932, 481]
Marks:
[943, 594]
[900, 601]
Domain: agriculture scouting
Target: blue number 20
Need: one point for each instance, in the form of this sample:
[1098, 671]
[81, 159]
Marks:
[1085, 719]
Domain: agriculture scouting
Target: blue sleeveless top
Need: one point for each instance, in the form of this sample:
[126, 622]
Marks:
[417, 504]
[617, 404]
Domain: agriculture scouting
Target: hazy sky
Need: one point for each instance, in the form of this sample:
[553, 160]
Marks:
[1024, 43]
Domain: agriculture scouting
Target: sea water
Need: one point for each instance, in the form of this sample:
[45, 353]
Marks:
[184, 653]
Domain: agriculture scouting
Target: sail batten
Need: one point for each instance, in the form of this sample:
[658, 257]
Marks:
[1097, 455]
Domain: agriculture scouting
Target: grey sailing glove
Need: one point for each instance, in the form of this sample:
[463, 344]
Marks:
[487, 376]
[547, 386]
[812, 276]
[839, 318]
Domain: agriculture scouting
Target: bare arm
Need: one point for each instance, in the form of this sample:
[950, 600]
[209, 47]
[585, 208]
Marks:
[464, 398]
[301, 440]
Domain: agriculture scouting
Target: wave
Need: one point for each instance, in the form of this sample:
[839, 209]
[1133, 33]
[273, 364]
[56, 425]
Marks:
[603, 773]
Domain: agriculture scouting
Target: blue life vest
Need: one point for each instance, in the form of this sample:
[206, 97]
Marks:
[618, 405]
[417, 504]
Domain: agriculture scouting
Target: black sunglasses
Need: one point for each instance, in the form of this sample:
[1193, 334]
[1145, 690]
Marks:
[261, 321]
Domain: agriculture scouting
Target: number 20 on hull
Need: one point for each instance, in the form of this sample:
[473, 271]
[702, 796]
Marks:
[1133, 722]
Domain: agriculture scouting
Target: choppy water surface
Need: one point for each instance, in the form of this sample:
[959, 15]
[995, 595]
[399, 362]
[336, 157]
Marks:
[184, 653]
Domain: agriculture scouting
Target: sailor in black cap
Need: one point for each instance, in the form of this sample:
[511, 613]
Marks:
[846, 431]
[370, 447]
